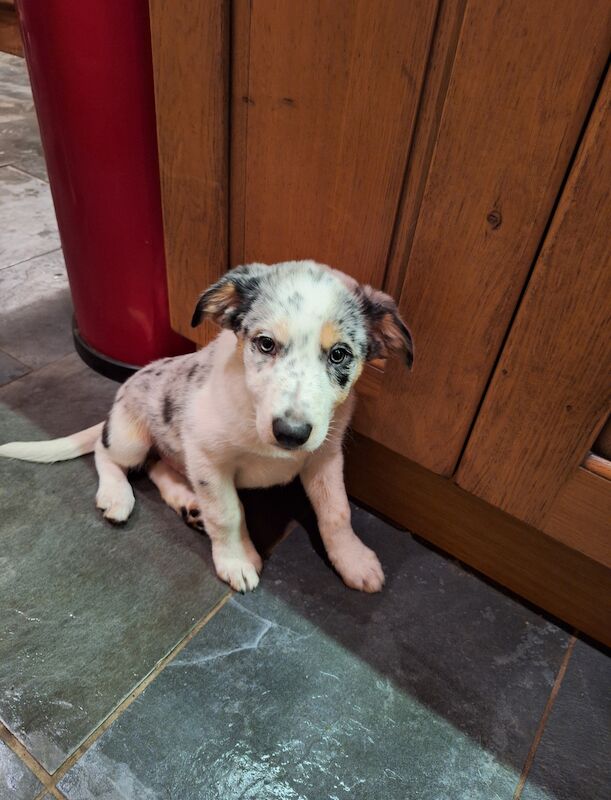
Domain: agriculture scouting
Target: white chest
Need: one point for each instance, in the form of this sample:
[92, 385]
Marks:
[257, 472]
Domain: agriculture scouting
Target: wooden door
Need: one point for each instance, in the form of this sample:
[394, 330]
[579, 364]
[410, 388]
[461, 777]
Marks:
[325, 96]
[520, 85]
[551, 390]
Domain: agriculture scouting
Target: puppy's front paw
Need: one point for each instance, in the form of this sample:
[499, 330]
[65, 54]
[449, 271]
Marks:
[116, 501]
[236, 570]
[358, 566]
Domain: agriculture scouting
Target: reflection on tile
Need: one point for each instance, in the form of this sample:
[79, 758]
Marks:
[28, 227]
[10, 369]
[36, 318]
[92, 607]
[19, 135]
[307, 690]
[16, 780]
[572, 761]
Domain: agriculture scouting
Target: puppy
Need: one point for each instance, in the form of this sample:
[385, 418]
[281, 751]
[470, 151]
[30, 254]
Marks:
[269, 399]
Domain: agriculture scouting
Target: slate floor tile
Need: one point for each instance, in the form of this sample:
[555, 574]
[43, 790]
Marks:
[86, 610]
[36, 318]
[10, 368]
[28, 227]
[16, 780]
[431, 690]
[573, 760]
[20, 143]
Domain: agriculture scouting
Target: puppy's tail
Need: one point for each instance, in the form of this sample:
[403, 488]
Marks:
[54, 449]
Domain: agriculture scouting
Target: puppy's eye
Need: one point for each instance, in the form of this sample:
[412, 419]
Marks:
[266, 345]
[339, 354]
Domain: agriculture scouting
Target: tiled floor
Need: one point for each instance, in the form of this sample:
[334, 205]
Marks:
[128, 671]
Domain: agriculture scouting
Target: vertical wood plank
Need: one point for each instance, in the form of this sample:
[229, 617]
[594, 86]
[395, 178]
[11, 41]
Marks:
[333, 92]
[551, 391]
[190, 44]
[523, 78]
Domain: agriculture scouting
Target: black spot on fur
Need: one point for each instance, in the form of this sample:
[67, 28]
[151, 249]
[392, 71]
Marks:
[158, 373]
[342, 378]
[168, 409]
[192, 371]
[202, 482]
[106, 435]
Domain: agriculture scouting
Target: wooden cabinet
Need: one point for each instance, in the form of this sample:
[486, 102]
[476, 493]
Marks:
[451, 152]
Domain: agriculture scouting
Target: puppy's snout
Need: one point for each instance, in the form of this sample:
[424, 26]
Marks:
[291, 434]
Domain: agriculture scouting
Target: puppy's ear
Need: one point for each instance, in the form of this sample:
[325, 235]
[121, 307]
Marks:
[228, 300]
[387, 333]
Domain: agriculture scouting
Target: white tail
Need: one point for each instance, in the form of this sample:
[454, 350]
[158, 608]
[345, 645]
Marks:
[54, 449]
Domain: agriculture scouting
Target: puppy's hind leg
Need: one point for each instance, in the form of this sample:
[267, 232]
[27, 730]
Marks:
[176, 491]
[124, 444]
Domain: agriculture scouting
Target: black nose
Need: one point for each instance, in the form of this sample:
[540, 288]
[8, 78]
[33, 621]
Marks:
[291, 434]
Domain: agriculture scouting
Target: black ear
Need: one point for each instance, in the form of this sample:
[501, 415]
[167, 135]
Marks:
[228, 300]
[387, 333]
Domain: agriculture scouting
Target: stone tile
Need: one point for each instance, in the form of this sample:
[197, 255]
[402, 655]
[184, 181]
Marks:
[28, 227]
[86, 609]
[14, 80]
[20, 143]
[573, 760]
[307, 690]
[16, 780]
[10, 369]
[36, 319]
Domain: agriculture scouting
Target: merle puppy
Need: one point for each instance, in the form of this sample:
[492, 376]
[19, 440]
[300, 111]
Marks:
[269, 399]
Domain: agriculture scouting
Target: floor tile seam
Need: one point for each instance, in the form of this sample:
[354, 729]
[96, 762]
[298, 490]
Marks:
[25, 172]
[159, 667]
[24, 755]
[544, 718]
[30, 258]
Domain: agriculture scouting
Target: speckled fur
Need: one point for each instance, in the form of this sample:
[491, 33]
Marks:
[209, 416]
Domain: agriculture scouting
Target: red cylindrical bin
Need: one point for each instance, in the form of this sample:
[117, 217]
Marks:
[91, 70]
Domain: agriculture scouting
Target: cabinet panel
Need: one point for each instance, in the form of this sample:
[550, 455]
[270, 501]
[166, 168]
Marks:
[331, 94]
[522, 81]
[551, 390]
[190, 44]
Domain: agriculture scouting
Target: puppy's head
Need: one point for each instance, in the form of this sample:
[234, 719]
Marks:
[307, 331]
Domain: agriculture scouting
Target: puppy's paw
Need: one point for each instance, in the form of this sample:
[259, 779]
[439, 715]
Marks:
[116, 501]
[236, 570]
[358, 566]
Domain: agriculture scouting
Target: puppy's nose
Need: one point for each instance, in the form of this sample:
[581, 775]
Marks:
[291, 434]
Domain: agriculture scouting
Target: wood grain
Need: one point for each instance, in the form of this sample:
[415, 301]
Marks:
[333, 89]
[551, 391]
[515, 105]
[190, 44]
[546, 572]
[441, 59]
[581, 515]
[10, 33]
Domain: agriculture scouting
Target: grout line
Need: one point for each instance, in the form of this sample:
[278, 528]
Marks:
[133, 695]
[544, 717]
[25, 172]
[31, 258]
[13, 743]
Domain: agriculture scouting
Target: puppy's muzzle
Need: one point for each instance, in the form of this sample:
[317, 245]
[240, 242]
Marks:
[291, 434]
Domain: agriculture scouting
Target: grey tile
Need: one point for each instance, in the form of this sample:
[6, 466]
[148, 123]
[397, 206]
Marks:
[573, 760]
[10, 369]
[19, 135]
[16, 780]
[14, 79]
[36, 318]
[86, 609]
[307, 690]
[28, 227]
